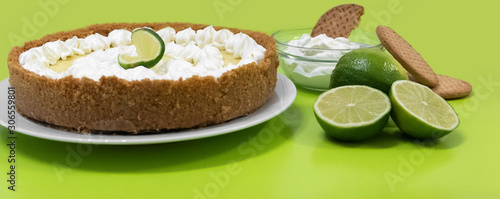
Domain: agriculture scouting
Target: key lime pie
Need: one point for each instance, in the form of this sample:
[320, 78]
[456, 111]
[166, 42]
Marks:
[143, 76]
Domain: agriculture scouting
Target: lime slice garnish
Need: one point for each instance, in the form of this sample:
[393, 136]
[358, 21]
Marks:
[149, 46]
[352, 113]
[420, 112]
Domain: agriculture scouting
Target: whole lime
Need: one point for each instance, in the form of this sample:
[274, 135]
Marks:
[367, 66]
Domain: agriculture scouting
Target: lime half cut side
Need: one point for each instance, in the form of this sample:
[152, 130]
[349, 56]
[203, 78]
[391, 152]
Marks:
[149, 47]
[352, 113]
[420, 112]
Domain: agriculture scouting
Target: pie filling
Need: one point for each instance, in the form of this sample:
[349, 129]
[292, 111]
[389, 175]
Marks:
[205, 52]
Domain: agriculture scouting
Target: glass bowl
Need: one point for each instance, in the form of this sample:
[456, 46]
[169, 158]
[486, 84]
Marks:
[311, 67]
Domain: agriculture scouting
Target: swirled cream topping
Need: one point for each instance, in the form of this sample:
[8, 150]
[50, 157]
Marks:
[205, 52]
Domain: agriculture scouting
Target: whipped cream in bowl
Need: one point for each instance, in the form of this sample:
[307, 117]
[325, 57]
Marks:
[309, 61]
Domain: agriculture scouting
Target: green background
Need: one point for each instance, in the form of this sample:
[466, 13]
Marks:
[288, 156]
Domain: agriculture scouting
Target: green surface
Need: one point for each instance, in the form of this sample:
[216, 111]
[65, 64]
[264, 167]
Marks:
[288, 156]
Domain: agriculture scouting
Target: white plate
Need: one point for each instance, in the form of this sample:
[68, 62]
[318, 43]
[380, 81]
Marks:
[282, 98]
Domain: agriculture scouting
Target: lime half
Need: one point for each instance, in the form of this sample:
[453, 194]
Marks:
[149, 46]
[420, 112]
[352, 113]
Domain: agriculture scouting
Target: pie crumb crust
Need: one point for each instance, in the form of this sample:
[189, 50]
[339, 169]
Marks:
[114, 104]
